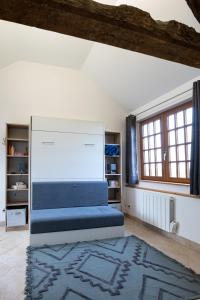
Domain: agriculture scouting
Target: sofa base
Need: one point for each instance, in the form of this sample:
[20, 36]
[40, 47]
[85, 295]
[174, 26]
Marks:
[62, 237]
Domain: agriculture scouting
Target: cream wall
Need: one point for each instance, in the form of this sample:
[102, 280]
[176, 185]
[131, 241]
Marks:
[187, 208]
[32, 89]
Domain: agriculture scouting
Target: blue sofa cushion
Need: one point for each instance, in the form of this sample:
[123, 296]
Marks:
[46, 195]
[64, 219]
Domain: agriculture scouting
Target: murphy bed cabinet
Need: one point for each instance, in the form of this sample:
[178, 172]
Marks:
[66, 150]
[113, 167]
[17, 176]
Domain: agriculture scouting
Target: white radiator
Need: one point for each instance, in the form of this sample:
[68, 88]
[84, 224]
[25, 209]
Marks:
[155, 208]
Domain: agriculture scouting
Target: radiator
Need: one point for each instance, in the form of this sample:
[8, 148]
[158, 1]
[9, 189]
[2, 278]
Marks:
[156, 209]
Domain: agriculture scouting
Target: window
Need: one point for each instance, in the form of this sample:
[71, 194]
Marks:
[166, 145]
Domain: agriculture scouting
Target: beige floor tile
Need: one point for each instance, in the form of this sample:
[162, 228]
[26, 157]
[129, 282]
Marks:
[13, 255]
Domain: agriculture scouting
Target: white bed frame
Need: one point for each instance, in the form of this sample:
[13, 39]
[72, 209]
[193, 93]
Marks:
[53, 238]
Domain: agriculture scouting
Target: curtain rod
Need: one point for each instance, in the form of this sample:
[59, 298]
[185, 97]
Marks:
[164, 101]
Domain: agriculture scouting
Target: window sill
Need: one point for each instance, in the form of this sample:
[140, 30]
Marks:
[164, 182]
[163, 191]
[159, 182]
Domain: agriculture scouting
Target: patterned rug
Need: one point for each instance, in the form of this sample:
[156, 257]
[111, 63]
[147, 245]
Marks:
[120, 269]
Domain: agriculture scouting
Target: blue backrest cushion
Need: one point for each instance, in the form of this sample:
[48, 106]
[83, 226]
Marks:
[46, 195]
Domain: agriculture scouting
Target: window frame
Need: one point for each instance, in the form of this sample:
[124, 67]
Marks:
[164, 146]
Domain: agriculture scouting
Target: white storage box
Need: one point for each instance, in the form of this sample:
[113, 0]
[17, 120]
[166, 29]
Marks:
[16, 217]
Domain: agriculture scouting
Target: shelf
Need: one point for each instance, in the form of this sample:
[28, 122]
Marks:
[17, 156]
[118, 187]
[112, 155]
[17, 174]
[114, 201]
[17, 140]
[109, 174]
[112, 144]
[17, 190]
[19, 203]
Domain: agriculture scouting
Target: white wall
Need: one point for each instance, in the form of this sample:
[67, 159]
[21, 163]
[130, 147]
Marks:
[187, 208]
[32, 89]
[187, 212]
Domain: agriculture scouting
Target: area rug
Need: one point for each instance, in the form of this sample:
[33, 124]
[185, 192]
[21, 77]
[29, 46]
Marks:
[121, 269]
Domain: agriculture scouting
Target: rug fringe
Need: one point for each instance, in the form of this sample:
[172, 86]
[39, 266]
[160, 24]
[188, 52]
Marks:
[28, 287]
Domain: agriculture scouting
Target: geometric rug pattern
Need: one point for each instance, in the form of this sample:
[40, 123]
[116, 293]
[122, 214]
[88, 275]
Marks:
[120, 269]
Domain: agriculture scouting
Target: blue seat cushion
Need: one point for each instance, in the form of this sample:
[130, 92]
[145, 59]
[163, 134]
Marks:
[75, 218]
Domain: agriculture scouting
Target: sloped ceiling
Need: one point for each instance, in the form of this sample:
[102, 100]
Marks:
[130, 78]
[20, 42]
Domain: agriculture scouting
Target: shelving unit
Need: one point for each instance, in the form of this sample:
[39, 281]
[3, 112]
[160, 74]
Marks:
[17, 168]
[114, 178]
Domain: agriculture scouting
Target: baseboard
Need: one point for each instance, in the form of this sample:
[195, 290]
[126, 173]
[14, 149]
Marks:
[53, 238]
[185, 242]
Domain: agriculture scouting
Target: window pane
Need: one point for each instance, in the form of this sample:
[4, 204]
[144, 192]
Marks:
[145, 143]
[173, 170]
[172, 140]
[181, 152]
[152, 155]
[172, 153]
[150, 128]
[152, 170]
[157, 126]
[151, 142]
[189, 134]
[179, 119]
[146, 156]
[158, 140]
[181, 170]
[159, 170]
[188, 115]
[180, 136]
[189, 152]
[188, 170]
[171, 122]
[145, 133]
[146, 170]
[158, 155]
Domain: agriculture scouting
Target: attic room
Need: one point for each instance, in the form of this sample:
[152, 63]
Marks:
[100, 150]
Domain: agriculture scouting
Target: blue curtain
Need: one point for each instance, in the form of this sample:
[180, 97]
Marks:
[195, 150]
[131, 151]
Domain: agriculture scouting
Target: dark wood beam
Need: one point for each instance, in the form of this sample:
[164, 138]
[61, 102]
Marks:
[121, 26]
[195, 7]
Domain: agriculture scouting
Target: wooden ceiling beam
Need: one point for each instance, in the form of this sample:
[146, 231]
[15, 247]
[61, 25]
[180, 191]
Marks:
[122, 26]
[195, 7]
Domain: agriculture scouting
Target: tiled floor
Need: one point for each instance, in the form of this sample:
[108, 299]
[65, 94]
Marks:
[13, 256]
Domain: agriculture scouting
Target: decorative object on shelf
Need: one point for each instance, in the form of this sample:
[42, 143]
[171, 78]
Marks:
[112, 150]
[11, 150]
[22, 167]
[26, 152]
[19, 154]
[111, 169]
[19, 186]
[113, 183]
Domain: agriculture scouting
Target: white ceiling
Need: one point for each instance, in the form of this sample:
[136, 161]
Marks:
[130, 78]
